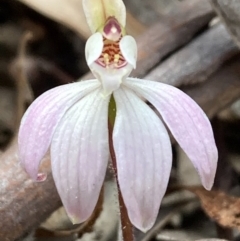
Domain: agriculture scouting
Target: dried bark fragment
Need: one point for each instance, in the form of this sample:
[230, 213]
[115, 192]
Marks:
[203, 56]
[24, 204]
[212, 239]
[220, 90]
[229, 12]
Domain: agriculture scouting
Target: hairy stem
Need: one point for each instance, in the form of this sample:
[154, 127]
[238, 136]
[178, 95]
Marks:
[126, 226]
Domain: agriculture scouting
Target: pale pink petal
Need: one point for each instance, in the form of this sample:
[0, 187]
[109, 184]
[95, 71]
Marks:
[41, 118]
[187, 122]
[79, 154]
[144, 157]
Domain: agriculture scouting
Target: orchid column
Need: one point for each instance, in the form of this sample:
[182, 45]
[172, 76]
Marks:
[73, 121]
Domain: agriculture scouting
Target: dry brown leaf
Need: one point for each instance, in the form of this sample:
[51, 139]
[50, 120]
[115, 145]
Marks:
[70, 14]
[67, 12]
[222, 208]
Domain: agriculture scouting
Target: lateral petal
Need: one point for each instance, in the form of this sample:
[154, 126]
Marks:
[41, 118]
[128, 47]
[187, 122]
[94, 47]
[98, 11]
[144, 157]
[79, 155]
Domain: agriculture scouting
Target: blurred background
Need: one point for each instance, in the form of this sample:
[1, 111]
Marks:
[191, 44]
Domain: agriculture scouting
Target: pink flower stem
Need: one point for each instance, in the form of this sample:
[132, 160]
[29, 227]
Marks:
[126, 226]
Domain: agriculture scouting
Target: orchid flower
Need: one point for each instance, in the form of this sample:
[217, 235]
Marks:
[72, 120]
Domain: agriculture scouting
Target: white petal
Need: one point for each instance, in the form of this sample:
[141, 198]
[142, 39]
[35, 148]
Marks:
[80, 153]
[144, 157]
[40, 120]
[94, 47]
[187, 122]
[128, 47]
[98, 11]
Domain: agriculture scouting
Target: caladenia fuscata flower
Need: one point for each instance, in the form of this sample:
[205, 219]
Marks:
[73, 121]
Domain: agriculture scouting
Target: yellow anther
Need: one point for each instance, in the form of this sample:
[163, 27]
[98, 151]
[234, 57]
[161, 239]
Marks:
[116, 58]
[106, 58]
